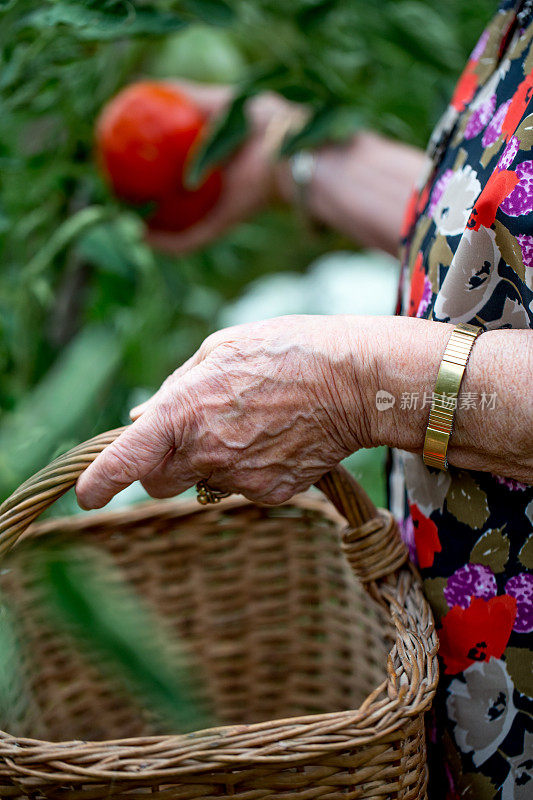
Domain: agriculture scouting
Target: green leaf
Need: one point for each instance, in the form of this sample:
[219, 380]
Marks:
[117, 247]
[12, 691]
[423, 33]
[519, 662]
[328, 123]
[525, 556]
[104, 22]
[228, 133]
[58, 406]
[297, 93]
[314, 14]
[492, 550]
[73, 227]
[92, 600]
[434, 591]
[231, 129]
[215, 12]
[466, 501]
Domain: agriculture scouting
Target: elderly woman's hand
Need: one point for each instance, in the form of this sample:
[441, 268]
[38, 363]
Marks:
[266, 409]
[262, 410]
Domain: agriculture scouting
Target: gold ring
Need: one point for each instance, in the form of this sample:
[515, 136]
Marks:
[208, 495]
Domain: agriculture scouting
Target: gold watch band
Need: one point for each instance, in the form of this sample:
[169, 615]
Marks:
[444, 400]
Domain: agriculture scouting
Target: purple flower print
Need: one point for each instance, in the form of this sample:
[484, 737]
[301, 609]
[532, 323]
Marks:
[510, 483]
[494, 128]
[479, 117]
[479, 49]
[526, 243]
[425, 300]
[521, 587]
[407, 533]
[520, 201]
[438, 189]
[472, 580]
[508, 155]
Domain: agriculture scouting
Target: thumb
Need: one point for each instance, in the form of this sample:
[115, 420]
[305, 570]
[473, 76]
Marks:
[212, 99]
[131, 457]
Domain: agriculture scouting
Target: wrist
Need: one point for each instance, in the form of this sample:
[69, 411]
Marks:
[317, 187]
[405, 354]
[366, 347]
[273, 118]
[401, 356]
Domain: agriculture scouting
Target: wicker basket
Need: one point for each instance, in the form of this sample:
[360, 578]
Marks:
[320, 685]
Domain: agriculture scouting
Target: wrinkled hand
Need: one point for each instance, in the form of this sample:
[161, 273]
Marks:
[262, 410]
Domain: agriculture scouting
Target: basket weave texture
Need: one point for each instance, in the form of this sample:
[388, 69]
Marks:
[315, 646]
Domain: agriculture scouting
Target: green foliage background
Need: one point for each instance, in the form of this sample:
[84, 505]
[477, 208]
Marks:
[89, 315]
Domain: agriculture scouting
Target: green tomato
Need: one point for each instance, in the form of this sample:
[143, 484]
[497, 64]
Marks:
[199, 53]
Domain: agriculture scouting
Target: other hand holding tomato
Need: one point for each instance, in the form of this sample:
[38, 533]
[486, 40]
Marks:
[145, 137]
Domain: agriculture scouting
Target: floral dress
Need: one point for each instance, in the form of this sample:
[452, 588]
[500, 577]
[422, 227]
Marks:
[467, 256]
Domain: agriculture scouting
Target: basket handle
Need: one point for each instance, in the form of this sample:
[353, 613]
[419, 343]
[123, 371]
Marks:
[371, 542]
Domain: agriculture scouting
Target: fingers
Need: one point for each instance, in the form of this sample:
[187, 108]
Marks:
[142, 408]
[138, 451]
[257, 485]
[173, 476]
[211, 99]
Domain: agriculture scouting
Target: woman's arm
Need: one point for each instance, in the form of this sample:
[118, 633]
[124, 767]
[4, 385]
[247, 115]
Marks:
[360, 188]
[493, 427]
[265, 409]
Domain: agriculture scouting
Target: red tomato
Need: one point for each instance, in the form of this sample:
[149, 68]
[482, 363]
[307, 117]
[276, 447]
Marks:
[181, 209]
[144, 136]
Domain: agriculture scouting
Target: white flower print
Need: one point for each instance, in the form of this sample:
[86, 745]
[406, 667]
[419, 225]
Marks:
[426, 489]
[471, 277]
[514, 315]
[519, 782]
[453, 209]
[482, 708]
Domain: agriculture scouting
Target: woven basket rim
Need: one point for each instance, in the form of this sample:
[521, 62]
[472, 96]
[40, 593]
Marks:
[391, 704]
[267, 745]
[174, 508]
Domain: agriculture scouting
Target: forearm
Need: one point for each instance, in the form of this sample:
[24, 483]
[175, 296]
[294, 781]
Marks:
[493, 429]
[361, 188]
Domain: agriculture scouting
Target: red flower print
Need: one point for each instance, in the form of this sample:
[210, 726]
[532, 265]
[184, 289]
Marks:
[410, 214]
[498, 187]
[466, 87]
[417, 285]
[424, 197]
[427, 541]
[476, 633]
[518, 105]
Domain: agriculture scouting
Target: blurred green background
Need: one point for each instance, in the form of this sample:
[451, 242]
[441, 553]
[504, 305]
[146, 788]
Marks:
[91, 319]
